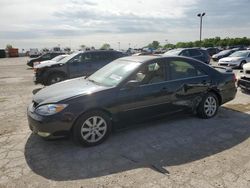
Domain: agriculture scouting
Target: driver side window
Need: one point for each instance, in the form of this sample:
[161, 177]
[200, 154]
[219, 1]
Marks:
[76, 59]
[151, 73]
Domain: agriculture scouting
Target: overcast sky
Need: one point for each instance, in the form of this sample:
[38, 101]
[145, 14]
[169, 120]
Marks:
[47, 23]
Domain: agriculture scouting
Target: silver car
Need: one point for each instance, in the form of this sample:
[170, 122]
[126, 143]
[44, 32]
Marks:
[236, 59]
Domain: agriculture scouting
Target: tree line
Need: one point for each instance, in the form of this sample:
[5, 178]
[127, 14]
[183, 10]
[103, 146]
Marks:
[208, 42]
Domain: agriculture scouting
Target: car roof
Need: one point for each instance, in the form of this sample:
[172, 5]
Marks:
[89, 51]
[146, 58]
[140, 59]
[243, 51]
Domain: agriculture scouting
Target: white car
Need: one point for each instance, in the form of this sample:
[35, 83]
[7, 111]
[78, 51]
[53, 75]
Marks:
[50, 62]
[244, 81]
[236, 59]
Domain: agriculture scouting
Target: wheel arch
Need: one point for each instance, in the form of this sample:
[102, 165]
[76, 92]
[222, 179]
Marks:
[108, 113]
[54, 72]
[217, 94]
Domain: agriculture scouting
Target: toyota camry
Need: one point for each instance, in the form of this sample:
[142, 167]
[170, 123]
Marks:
[129, 89]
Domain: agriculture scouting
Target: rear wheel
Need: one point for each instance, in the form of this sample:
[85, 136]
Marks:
[92, 128]
[208, 107]
[54, 78]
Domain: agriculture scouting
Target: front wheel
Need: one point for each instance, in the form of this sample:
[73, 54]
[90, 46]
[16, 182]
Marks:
[55, 78]
[208, 107]
[92, 128]
[242, 63]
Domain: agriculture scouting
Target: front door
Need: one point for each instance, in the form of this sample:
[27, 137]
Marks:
[80, 65]
[150, 98]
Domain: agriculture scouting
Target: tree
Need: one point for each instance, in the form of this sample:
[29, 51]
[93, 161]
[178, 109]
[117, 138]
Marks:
[105, 46]
[169, 46]
[83, 46]
[154, 45]
[8, 46]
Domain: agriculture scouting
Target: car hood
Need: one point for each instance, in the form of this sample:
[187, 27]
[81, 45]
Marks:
[66, 89]
[231, 59]
[48, 63]
[215, 56]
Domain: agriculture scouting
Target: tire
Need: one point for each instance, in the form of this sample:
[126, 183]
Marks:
[55, 78]
[89, 131]
[242, 63]
[208, 107]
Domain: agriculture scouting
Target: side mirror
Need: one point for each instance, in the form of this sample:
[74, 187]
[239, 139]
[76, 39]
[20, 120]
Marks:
[132, 84]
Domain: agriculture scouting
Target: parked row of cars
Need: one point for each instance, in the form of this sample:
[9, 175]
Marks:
[55, 67]
[118, 90]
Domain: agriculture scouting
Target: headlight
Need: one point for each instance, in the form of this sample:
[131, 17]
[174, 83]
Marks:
[50, 109]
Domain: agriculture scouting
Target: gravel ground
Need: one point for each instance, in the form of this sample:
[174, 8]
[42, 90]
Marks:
[183, 151]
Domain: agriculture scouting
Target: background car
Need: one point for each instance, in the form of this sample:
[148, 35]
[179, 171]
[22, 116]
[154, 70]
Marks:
[196, 53]
[44, 57]
[75, 65]
[236, 59]
[129, 89]
[224, 53]
[244, 81]
[212, 50]
[52, 61]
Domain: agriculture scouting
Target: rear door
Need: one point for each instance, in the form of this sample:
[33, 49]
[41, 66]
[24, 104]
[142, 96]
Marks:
[187, 83]
[196, 54]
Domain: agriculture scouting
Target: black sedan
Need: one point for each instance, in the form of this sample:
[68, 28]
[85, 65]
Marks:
[126, 90]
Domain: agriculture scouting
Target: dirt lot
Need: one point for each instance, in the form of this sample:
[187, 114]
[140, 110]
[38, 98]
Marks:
[179, 152]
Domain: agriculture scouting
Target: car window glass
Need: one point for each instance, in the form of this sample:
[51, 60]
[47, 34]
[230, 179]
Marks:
[152, 73]
[87, 57]
[105, 56]
[182, 69]
[76, 59]
[194, 52]
[185, 53]
[116, 55]
[46, 56]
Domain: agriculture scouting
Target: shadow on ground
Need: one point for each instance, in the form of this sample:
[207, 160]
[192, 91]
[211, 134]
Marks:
[156, 145]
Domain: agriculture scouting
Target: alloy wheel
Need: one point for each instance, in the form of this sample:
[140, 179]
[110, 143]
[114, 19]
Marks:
[94, 129]
[210, 106]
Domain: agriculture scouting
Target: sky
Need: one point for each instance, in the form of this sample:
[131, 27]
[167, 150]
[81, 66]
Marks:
[130, 23]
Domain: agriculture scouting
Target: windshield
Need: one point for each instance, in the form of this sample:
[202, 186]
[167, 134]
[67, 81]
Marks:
[239, 54]
[224, 52]
[114, 73]
[66, 59]
[58, 58]
[173, 52]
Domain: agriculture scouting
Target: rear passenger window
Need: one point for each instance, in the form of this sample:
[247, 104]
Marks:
[182, 69]
[194, 52]
[185, 53]
[46, 56]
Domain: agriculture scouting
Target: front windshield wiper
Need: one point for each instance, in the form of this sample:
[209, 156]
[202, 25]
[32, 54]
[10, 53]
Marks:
[97, 83]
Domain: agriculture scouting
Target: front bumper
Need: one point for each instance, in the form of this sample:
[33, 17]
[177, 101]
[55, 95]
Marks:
[244, 83]
[38, 78]
[49, 126]
[229, 64]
